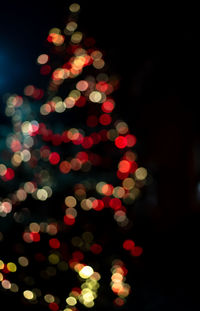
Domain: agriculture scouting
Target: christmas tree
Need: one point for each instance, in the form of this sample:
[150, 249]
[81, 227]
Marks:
[69, 174]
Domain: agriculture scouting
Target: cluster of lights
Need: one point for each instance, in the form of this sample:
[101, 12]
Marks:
[87, 293]
[55, 156]
[118, 282]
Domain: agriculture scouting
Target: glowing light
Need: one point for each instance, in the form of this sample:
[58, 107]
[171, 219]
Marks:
[6, 284]
[105, 119]
[23, 261]
[141, 173]
[71, 26]
[42, 194]
[131, 140]
[128, 183]
[108, 106]
[11, 267]
[124, 166]
[96, 248]
[54, 243]
[53, 306]
[137, 251]
[82, 85]
[74, 7]
[128, 245]
[28, 294]
[9, 175]
[69, 102]
[54, 158]
[95, 97]
[1, 264]
[121, 142]
[70, 201]
[98, 63]
[49, 298]
[71, 301]
[42, 59]
[65, 167]
[86, 272]
[76, 37]
[34, 227]
[60, 107]
[3, 169]
[122, 127]
[54, 259]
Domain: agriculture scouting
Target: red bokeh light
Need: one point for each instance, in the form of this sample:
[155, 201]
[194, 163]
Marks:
[45, 70]
[137, 251]
[115, 203]
[131, 140]
[87, 142]
[121, 142]
[124, 166]
[107, 106]
[53, 306]
[129, 245]
[69, 220]
[54, 158]
[77, 255]
[10, 174]
[96, 248]
[35, 236]
[105, 119]
[97, 205]
[54, 243]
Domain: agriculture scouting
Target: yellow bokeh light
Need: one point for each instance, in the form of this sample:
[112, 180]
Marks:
[55, 30]
[49, 298]
[3, 169]
[128, 183]
[34, 227]
[42, 194]
[122, 127]
[74, 7]
[76, 37]
[14, 288]
[28, 294]
[86, 272]
[16, 159]
[70, 201]
[23, 261]
[69, 102]
[60, 107]
[86, 204]
[71, 26]
[11, 267]
[71, 301]
[88, 304]
[98, 63]
[141, 173]
[118, 192]
[1, 264]
[54, 259]
[95, 97]
[96, 54]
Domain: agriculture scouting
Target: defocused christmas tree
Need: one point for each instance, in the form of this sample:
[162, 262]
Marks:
[68, 178]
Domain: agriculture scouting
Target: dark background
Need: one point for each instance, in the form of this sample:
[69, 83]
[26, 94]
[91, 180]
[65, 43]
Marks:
[154, 51]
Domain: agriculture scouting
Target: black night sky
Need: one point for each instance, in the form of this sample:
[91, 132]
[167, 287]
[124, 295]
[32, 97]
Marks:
[154, 52]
